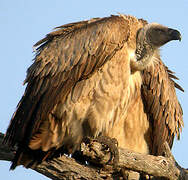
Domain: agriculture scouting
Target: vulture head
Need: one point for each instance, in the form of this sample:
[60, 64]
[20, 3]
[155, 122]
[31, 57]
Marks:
[157, 35]
[150, 38]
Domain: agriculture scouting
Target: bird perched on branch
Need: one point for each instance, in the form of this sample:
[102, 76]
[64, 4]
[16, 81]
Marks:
[98, 77]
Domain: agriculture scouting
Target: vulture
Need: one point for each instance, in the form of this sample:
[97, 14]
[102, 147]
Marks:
[99, 77]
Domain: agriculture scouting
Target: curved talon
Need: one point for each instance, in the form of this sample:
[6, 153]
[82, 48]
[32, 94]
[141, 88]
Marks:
[112, 143]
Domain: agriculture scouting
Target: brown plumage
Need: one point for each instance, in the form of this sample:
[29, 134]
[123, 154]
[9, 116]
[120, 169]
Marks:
[102, 76]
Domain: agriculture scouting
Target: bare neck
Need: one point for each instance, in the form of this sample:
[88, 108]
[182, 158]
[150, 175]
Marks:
[144, 54]
[141, 64]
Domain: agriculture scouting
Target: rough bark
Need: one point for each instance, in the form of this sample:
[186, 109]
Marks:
[97, 155]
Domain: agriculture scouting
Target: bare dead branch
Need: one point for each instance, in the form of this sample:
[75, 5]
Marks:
[5, 153]
[67, 168]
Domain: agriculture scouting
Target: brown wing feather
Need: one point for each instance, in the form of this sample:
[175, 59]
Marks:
[65, 56]
[162, 105]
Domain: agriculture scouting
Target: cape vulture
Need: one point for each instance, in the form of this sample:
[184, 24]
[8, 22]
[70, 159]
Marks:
[101, 77]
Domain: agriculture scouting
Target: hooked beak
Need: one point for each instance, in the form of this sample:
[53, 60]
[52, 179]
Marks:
[174, 34]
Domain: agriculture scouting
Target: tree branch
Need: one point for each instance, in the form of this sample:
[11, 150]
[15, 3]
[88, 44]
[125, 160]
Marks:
[68, 168]
[5, 153]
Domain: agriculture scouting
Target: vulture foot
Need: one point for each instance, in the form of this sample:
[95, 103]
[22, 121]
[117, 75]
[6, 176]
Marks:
[112, 144]
[104, 150]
